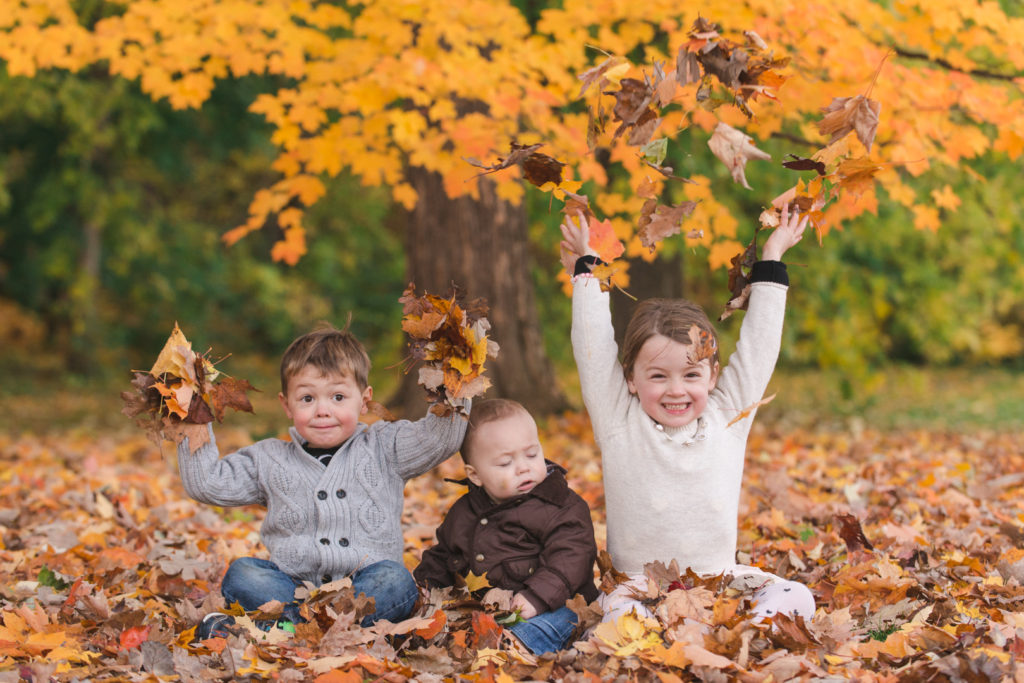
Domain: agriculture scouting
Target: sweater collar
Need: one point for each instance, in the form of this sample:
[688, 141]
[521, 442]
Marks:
[300, 442]
[685, 435]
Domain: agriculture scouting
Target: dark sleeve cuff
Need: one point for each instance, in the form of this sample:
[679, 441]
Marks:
[770, 271]
[535, 600]
[585, 264]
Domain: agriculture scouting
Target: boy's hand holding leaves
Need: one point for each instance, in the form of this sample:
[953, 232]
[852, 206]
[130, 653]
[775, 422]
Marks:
[181, 393]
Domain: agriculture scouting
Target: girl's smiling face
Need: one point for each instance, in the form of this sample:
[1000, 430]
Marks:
[672, 388]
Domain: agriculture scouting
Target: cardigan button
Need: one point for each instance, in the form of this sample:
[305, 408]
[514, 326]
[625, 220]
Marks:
[480, 557]
[322, 495]
[483, 520]
[343, 542]
[326, 578]
[340, 493]
[324, 541]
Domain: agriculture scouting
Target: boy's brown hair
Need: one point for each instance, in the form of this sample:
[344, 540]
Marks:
[490, 410]
[670, 318]
[329, 350]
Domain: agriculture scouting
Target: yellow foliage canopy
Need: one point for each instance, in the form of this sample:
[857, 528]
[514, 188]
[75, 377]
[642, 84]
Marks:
[384, 85]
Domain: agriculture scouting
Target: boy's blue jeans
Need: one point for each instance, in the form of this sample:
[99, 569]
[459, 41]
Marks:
[546, 632]
[251, 582]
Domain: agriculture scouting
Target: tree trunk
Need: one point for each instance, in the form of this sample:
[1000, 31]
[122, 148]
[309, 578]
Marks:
[481, 246]
[662, 277]
[83, 324]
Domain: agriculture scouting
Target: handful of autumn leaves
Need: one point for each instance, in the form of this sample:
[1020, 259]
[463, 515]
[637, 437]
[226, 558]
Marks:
[449, 336]
[181, 394]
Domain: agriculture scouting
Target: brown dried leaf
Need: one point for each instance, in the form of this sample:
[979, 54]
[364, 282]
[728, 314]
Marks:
[749, 409]
[844, 114]
[631, 100]
[852, 533]
[596, 74]
[230, 393]
[735, 148]
[661, 221]
[198, 435]
[644, 129]
[540, 169]
[804, 164]
[687, 67]
[537, 168]
[724, 61]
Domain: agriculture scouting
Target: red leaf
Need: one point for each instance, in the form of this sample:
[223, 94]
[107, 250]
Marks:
[134, 636]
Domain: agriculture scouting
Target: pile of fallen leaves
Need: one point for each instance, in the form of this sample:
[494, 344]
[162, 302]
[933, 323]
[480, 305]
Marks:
[182, 393]
[909, 542]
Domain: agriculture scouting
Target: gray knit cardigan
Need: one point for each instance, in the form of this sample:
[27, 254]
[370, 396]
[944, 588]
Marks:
[325, 522]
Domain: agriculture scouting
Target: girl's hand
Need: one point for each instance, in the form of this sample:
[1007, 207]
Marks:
[790, 232]
[575, 241]
[525, 607]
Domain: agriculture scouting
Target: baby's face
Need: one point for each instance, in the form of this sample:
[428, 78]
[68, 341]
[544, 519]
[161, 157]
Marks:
[324, 408]
[507, 459]
[672, 386]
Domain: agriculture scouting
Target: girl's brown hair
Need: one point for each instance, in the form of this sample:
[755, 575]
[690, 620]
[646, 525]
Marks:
[672, 318]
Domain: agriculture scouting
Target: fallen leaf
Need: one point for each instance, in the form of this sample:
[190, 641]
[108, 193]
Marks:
[852, 533]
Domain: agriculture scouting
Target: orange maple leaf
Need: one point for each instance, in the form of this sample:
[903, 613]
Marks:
[604, 241]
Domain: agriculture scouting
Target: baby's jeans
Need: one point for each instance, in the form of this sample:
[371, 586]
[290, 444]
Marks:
[772, 595]
[546, 632]
[251, 581]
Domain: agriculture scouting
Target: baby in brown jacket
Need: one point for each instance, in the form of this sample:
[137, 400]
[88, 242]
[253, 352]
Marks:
[520, 524]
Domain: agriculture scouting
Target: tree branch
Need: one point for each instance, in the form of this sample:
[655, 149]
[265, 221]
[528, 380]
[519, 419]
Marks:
[980, 73]
[795, 138]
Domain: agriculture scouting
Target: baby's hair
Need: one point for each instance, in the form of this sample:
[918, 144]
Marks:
[490, 410]
[329, 350]
[670, 318]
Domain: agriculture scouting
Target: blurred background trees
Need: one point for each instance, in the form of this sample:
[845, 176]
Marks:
[115, 192]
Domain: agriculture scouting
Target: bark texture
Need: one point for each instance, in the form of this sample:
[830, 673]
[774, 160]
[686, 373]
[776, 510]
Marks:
[481, 246]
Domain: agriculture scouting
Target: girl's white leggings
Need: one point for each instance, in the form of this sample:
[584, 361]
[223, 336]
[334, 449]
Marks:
[772, 595]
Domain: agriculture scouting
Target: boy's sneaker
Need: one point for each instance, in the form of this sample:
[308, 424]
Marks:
[214, 625]
[268, 624]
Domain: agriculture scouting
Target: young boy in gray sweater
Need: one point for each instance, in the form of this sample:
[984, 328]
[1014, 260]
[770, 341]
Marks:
[333, 493]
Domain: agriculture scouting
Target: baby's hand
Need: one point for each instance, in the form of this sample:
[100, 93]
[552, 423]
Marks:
[525, 607]
[790, 232]
[575, 241]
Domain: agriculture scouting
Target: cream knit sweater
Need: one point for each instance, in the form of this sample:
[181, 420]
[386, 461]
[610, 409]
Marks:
[673, 494]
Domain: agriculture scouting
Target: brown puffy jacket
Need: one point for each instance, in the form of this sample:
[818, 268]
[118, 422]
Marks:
[540, 544]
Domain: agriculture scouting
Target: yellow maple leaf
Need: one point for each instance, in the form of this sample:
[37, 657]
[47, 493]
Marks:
[630, 634]
[475, 583]
[1011, 142]
[176, 358]
[926, 218]
[946, 198]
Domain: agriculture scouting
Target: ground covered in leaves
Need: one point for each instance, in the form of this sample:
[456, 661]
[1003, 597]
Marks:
[909, 541]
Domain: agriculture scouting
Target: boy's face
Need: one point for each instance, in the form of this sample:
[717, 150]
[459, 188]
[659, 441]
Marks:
[672, 387]
[507, 460]
[324, 408]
